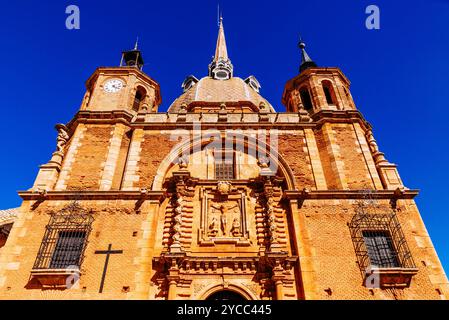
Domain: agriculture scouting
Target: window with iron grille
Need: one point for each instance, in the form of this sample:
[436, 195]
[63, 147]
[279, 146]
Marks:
[69, 247]
[224, 165]
[380, 249]
[65, 238]
[224, 171]
[379, 242]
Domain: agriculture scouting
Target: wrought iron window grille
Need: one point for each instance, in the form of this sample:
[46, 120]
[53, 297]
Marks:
[378, 239]
[224, 171]
[65, 239]
[224, 165]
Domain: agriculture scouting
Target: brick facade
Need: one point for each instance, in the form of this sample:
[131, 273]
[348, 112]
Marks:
[278, 227]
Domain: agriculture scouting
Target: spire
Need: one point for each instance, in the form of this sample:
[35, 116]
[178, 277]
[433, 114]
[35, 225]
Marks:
[221, 52]
[306, 61]
[221, 67]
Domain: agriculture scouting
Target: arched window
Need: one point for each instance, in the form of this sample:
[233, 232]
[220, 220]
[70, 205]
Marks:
[329, 93]
[306, 99]
[139, 99]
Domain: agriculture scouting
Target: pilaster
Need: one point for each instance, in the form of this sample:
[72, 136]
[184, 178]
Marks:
[333, 149]
[70, 157]
[317, 168]
[130, 176]
[112, 158]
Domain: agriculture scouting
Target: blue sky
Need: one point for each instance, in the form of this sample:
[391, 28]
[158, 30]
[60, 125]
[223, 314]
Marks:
[399, 73]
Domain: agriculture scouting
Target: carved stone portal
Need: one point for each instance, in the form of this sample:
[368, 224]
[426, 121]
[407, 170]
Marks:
[223, 217]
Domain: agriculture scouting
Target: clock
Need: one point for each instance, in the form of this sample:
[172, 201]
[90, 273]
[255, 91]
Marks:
[113, 86]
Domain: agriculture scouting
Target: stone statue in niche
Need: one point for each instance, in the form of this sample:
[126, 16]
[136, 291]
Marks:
[213, 227]
[235, 230]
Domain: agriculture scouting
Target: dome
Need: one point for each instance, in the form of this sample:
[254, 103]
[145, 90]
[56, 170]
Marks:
[234, 90]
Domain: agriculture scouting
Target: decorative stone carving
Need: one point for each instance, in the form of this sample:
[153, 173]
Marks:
[224, 187]
[270, 188]
[183, 163]
[272, 222]
[178, 210]
[63, 137]
[213, 227]
[223, 218]
[225, 211]
[178, 223]
[235, 230]
[378, 156]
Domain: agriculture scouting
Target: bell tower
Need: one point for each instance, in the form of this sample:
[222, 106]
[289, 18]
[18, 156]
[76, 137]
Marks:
[125, 87]
[317, 88]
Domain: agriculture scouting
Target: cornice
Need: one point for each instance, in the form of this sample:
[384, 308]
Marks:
[92, 195]
[179, 121]
[397, 194]
[158, 195]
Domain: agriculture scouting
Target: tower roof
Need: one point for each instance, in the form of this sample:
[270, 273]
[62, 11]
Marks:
[133, 58]
[306, 61]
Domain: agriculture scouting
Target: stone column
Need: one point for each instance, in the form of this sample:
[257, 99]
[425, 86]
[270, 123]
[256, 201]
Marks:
[279, 288]
[172, 288]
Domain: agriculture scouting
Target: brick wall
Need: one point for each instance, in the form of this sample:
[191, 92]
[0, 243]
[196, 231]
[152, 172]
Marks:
[293, 148]
[334, 260]
[355, 168]
[87, 168]
[115, 222]
[154, 149]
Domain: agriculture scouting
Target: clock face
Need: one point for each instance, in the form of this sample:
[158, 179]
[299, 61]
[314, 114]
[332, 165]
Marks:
[113, 86]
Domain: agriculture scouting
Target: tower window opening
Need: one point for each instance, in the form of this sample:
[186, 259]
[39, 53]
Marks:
[329, 93]
[139, 99]
[306, 99]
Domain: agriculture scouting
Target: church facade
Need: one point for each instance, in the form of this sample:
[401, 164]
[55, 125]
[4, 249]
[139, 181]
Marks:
[221, 197]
